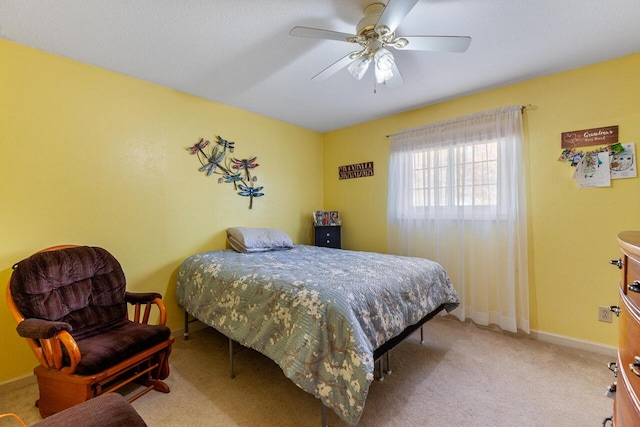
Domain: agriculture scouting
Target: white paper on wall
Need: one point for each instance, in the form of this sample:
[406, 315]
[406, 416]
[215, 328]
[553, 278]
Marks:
[593, 171]
[623, 164]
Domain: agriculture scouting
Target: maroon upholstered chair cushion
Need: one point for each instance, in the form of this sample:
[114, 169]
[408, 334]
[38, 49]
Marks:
[117, 343]
[85, 288]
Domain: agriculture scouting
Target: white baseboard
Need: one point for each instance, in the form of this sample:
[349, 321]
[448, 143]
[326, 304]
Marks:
[17, 383]
[575, 343]
[193, 327]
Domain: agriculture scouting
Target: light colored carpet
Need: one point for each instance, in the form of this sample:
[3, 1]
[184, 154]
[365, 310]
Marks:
[463, 375]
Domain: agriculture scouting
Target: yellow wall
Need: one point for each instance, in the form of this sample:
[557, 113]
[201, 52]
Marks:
[92, 157]
[572, 232]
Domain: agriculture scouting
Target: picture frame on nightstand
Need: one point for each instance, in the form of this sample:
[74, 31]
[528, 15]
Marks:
[326, 218]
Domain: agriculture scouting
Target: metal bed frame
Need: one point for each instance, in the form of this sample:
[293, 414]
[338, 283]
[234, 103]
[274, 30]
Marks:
[378, 353]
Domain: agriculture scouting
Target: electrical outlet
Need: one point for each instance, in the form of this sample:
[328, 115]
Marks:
[605, 315]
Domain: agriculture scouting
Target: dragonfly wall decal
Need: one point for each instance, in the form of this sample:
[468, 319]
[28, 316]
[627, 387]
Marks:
[213, 160]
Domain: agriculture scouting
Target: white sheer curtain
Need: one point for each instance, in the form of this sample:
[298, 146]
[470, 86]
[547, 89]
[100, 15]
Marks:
[457, 196]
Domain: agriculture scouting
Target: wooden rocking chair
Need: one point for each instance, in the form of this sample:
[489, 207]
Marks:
[70, 303]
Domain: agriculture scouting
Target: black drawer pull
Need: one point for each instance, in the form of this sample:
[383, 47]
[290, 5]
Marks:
[615, 310]
[613, 367]
[617, 262]
[635, 286]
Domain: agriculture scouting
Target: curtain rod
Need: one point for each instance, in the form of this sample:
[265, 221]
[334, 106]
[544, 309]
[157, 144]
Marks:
[522, 108]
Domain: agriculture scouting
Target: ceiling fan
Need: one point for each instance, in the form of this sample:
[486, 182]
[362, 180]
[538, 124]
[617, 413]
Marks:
[375, 33]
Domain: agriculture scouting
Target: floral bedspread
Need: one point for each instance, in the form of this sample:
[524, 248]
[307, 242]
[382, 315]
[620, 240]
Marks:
[319, 313]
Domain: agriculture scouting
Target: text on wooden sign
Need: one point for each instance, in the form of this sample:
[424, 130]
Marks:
[358, 170]
[596, 136]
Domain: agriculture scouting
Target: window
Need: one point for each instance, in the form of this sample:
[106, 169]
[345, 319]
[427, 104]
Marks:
[456, 176]
[456, 194]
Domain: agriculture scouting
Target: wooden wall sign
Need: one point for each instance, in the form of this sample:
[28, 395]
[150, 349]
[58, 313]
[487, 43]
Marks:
[358, 170]
[596, 136]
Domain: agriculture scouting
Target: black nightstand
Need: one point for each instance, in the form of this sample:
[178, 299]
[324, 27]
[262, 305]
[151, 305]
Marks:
[328, 236]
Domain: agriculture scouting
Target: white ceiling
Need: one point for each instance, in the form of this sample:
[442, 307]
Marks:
[239, 53]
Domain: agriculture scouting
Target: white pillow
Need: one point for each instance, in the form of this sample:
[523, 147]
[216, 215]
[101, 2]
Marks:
[246, 239]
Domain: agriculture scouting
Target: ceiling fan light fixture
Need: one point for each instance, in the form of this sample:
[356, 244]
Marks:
[359, 67]
[383, 76]
[384, 59]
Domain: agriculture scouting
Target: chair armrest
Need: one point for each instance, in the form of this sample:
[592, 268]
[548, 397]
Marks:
[148, 299]
[41, 329]
[47, 338]
[141, 297]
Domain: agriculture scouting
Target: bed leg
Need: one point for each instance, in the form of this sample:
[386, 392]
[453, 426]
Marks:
[380, 370]
[388, 370]
[324, 415]
[186, 325]
[231, 374]
[421, 335]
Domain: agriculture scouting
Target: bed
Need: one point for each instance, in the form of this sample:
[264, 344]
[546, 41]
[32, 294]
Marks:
[323, 315]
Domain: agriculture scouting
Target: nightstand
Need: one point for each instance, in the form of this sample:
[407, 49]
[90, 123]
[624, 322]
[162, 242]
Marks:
[327, 236]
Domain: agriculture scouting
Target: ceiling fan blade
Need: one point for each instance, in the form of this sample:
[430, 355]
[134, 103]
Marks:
[394, 13]
[316, 33]
[396, 80]
[333, 68]
[437, 43]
